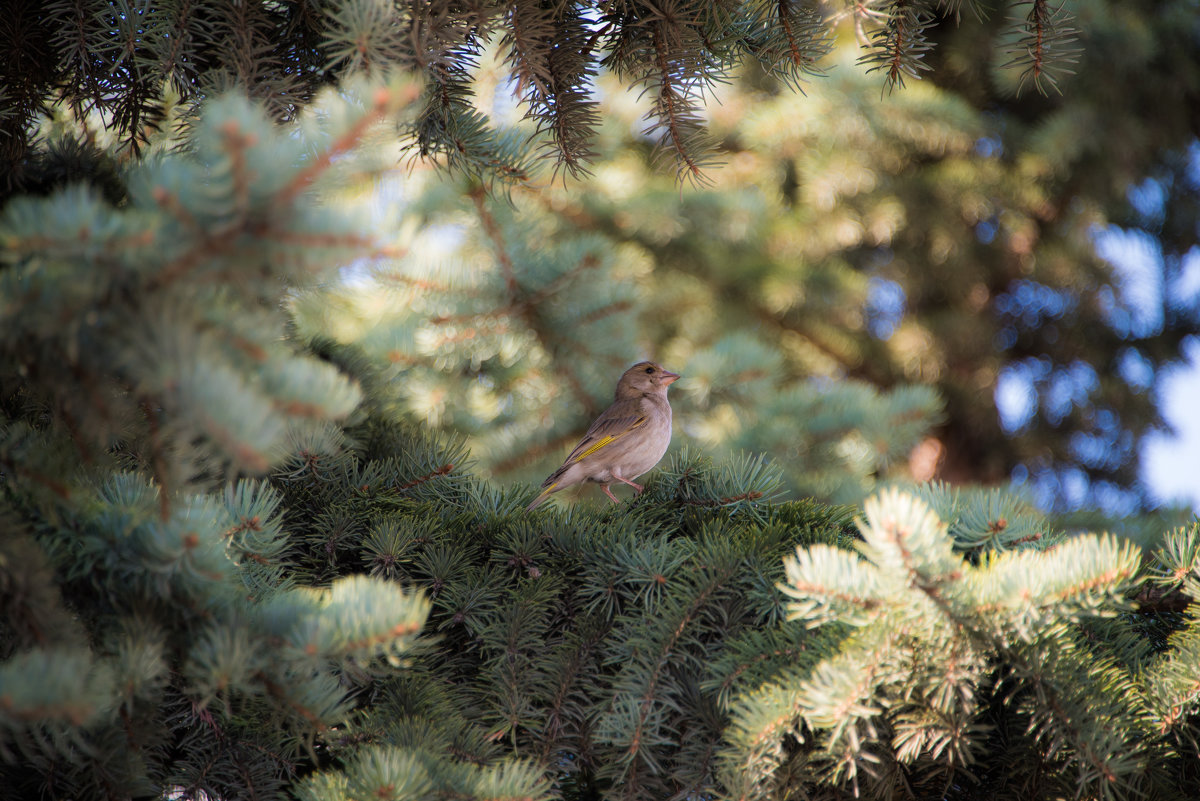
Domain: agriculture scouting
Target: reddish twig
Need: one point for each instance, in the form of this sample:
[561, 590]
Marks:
[708, 502]
[345, 142]
[441, 471]
[492, 228]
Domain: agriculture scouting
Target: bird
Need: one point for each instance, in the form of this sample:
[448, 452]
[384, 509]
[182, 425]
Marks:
[626, 440]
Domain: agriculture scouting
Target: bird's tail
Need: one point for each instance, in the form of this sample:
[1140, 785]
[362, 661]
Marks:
[540, 499]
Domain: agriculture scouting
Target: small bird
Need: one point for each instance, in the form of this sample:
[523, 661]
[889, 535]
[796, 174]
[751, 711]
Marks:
[626, 440]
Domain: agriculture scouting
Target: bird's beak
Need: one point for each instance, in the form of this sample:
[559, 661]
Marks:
[669, 377]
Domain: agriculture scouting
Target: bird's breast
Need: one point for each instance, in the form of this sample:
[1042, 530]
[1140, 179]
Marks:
[646, 450]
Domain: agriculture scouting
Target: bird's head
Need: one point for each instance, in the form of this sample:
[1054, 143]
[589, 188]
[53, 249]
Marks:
[645, 378]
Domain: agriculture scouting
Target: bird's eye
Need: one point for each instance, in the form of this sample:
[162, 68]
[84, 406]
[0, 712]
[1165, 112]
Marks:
[649, 370]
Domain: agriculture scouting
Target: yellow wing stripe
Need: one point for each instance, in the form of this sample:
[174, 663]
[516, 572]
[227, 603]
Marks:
[607, 439]
[603, 441]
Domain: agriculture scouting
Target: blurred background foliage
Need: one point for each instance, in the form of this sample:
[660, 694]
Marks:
[931, 282]
[967, 252]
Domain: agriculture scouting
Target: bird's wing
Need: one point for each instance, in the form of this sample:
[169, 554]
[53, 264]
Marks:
[614, 423]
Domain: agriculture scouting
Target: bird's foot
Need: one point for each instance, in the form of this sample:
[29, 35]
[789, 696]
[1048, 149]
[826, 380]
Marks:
[637, 487]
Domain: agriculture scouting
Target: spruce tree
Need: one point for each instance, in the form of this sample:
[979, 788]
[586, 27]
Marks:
[233, 567]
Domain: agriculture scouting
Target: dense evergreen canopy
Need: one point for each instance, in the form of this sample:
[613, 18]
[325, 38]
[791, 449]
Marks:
[132, 59]
[250, 542]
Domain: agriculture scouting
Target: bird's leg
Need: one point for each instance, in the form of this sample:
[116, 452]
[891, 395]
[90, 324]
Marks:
[637, 487]
[608, 492]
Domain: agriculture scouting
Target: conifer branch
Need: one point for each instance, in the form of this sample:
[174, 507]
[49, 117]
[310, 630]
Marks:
[674, 112]
[423, 284]
[236, 144]
[81, 445]
[404, 629]
[178, 58]
[170, 201]
[794, 53]
[278, 692]
[21, 468]
[1046, 46]
[561, 281]
[531, 30]
[751, 495]
[558, 717]
[899, 46]
[523, 304]
[156, 459]
[788, 654]
[210, 246]
[478, 197]
[383, 99]
[562, 105]
[441, 471]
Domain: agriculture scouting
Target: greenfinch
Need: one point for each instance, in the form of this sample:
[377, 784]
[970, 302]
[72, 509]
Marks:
[626, 440]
